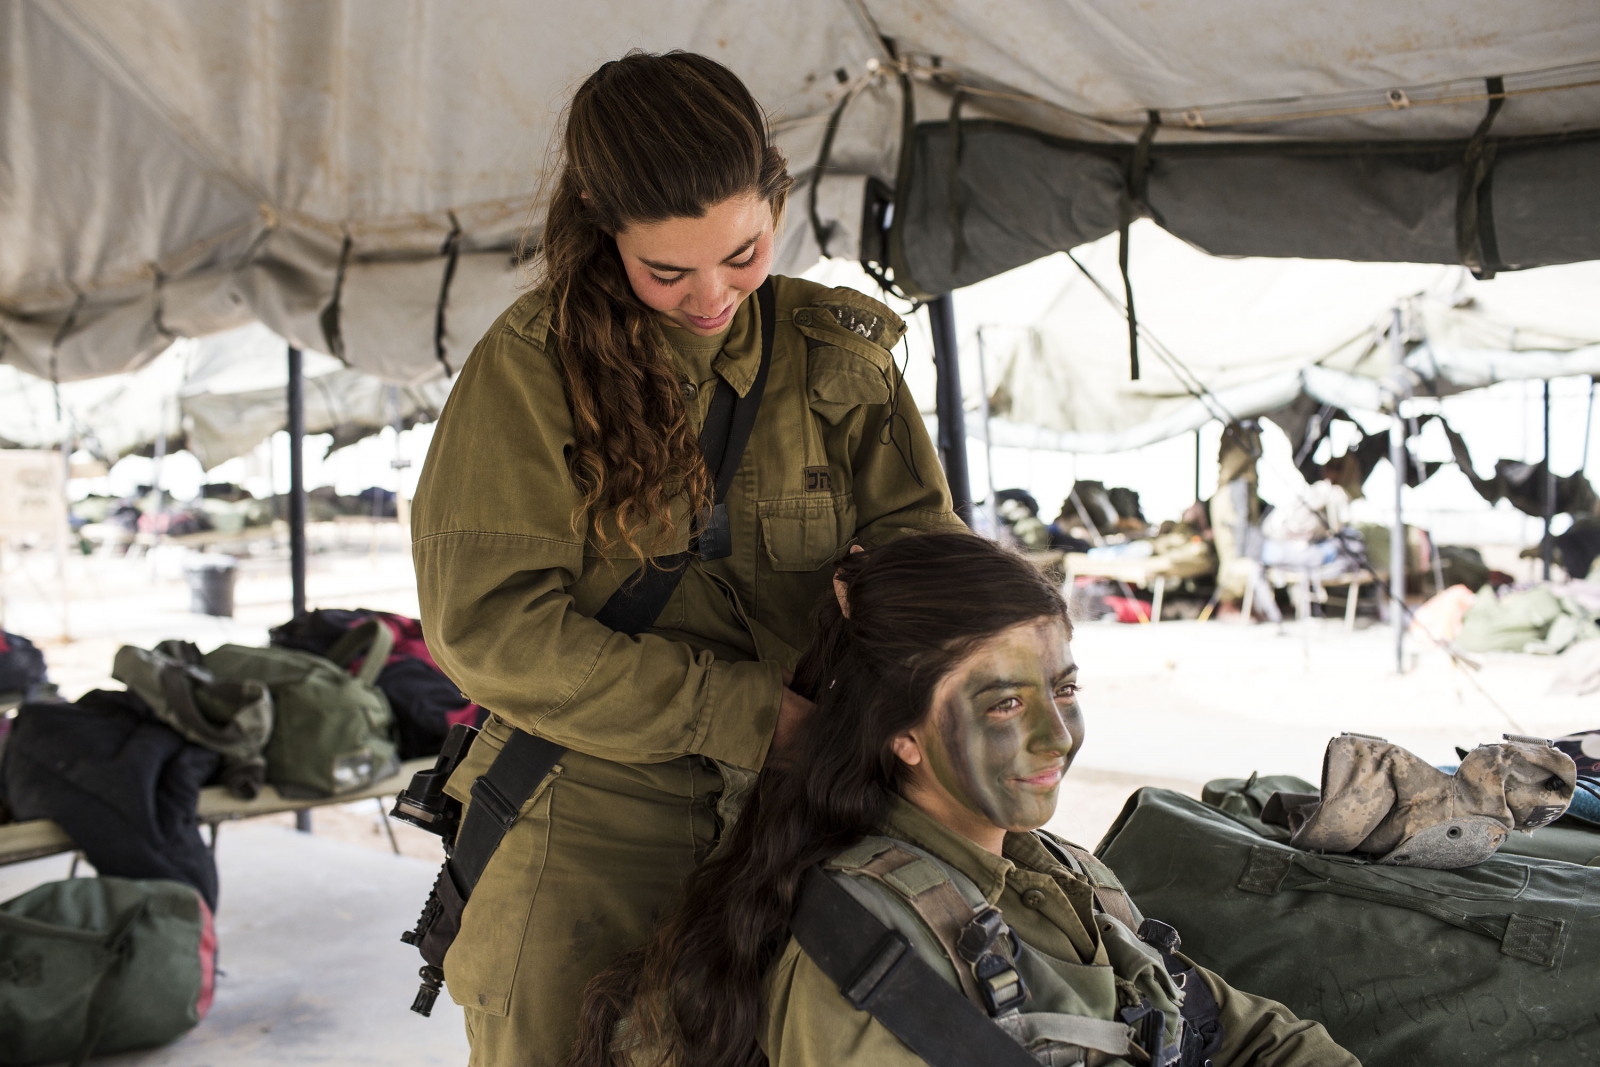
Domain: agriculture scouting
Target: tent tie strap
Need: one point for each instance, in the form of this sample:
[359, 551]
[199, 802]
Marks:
[451, 250]
[824, 234]
[329, 318]
[1135, 186]
[1475, 236]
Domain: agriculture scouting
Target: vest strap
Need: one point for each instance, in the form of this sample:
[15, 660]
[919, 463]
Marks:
[1084, 1031]
[879, 972]
[938, 904]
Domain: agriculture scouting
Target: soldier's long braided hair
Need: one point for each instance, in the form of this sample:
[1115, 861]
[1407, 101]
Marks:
[647, 138]
[694, 994]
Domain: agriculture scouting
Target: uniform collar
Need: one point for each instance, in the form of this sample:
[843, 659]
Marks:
[740, 357]
[735, 356]
[986, 870]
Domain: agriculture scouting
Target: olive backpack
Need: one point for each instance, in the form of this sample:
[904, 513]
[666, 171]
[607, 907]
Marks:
[333, 732]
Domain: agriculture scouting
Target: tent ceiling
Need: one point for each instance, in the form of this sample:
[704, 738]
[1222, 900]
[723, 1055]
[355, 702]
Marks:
[355, 174]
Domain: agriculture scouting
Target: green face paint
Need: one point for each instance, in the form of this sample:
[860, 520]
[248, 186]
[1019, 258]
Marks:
[1005, 725]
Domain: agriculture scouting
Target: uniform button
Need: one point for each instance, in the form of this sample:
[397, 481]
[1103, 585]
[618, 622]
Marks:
[802, 318]
[1033, 898]
[690, 390]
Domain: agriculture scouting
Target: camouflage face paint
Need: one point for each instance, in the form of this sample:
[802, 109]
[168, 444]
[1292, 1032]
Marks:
[1006, 724]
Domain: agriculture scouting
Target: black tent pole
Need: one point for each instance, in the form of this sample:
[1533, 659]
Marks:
[297, 510]
[297, 484]
[1197, 466]
[947, 400]
[1545, 547]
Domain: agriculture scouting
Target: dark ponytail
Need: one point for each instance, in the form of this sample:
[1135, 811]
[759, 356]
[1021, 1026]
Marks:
[916, 606]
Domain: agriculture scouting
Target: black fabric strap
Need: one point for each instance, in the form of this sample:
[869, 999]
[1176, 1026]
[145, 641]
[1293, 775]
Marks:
[724, 449]
[879, 972]
[499, 794]
[635, 606]
[497, 799]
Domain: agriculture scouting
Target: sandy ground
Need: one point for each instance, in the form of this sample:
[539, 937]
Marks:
[315, 973]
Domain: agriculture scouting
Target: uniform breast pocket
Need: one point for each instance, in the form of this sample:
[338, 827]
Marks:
[806, 533]
[840, 380]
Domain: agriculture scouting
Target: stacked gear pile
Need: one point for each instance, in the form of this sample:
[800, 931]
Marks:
[120, 781]
[333, 732]
[1420, 935]
[425, 702]
[233, 718]
[126, 960]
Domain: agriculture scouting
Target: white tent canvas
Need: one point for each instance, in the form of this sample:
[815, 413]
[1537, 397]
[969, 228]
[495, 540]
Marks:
[218, 397]
[1231, 339]
[355, 175]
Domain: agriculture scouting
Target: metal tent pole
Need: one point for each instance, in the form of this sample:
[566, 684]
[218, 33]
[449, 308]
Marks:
[297, 509]
[952, 418]
[297, 483]
[988, 450]
[1588, 422]
[1546, 548]
[1397, 532]
[1197, 466]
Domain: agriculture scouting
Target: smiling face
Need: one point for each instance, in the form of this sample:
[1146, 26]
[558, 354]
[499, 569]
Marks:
[1003, 727]
[697, 271]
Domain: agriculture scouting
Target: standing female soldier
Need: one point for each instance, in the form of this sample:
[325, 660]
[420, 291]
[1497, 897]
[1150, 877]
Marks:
[569, 454]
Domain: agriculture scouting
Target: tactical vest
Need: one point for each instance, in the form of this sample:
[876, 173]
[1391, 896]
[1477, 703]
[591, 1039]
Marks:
[1125, 1007]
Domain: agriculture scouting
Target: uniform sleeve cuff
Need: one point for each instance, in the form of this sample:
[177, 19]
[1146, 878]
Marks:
[741, 713]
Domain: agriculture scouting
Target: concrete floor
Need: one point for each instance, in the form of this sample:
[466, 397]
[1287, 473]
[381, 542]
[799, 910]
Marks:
[312, 968]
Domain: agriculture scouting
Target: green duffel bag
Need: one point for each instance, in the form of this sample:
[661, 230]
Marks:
[332, 732]
[1407, 967]
[98, 965]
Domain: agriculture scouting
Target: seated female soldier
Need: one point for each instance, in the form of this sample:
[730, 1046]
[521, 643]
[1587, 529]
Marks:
[946, 714]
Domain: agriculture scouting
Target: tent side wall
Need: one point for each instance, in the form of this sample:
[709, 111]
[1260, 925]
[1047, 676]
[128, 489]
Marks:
[992, 196]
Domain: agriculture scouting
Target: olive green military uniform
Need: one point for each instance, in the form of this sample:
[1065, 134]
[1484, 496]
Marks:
[661, 725]
[1079, 963]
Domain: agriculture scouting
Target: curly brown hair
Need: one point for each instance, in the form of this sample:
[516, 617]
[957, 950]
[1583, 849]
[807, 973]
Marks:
[647, 138]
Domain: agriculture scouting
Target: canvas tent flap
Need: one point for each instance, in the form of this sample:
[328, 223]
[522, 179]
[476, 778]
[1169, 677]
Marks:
[219, 397]
[345, 404]
[1232, 339]
[179, 167]
[1009, 195]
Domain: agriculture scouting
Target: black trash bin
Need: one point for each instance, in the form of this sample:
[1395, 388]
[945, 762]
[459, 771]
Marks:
[211, 584]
